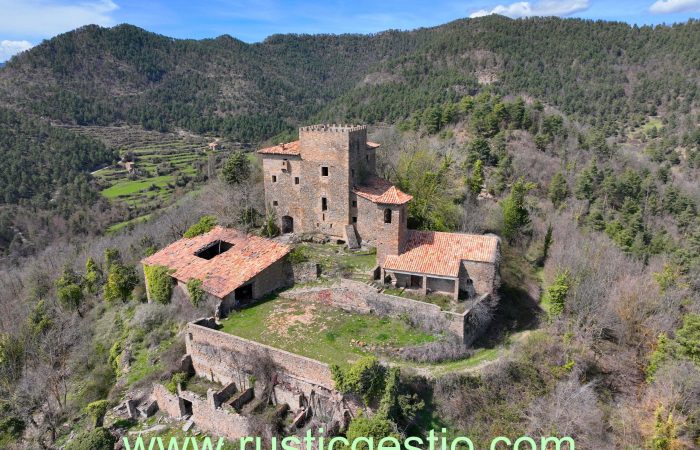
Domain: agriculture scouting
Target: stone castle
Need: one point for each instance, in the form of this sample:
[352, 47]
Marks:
[323, 183]
[326, 182]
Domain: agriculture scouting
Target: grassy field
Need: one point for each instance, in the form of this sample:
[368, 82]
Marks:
[161, 168]
[320, 332]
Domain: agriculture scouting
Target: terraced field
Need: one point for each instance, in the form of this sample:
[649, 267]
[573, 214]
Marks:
[160, 170]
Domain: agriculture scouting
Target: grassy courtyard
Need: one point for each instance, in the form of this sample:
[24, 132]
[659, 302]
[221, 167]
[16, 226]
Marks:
[320, 332]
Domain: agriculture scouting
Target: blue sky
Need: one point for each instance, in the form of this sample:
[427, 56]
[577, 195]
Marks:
[24, 23]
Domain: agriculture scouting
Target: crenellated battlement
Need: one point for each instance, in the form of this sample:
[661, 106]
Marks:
[333, 128]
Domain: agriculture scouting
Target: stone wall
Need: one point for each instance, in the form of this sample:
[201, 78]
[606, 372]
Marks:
[305, 272]
[222, 421]
[274, 277]
[484, 277]
[360, 297]
[167, 402]
[222, 357]
[217, 421]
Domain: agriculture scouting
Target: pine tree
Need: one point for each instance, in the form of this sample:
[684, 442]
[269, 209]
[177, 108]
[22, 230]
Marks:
[515, 215]
[558, 189]
[477, 179]
[236, 169]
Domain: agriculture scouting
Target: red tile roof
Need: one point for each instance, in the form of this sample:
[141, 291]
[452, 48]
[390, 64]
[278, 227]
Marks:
[379, 190]
[222, 274]
[436, 253]
[290, 148]
[373, 145]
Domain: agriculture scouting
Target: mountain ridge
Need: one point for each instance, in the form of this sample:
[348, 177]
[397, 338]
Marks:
[603, 74]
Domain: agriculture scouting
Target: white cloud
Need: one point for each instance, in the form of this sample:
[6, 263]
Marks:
[675, 6]
[541, 8]
[9, 48]
[46, 18]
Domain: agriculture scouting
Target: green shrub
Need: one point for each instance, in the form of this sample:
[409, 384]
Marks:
[93, 276]
[115, 353]
[180, 378]
[376, 428]
[297, 255]
[688, 337]
[97, 439]
[205, 224]
[556, 293]
[159, 283]
[366, 377]
[270, 228]
[196, 292]
[97, 411]
[11, 429]
[120, 282]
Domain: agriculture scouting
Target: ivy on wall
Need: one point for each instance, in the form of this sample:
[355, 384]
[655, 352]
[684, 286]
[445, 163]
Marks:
[194, 288]
[159, 282]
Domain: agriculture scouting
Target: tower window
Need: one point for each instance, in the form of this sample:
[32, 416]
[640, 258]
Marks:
[387, 215]
[274, 178]
[324, 204]
[367, 158]
[296, 180]
[354, 203]
[274, 202]
[324, 171]
[354, 220]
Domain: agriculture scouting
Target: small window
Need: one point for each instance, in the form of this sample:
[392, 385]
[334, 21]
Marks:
[324, 204]
[354, 220]
[352, 172]
[367, 158]
[387, 215]
[296, 180]
[323, 217]
[354, 203]
[324, 171]
[274, 203]
[274, 178]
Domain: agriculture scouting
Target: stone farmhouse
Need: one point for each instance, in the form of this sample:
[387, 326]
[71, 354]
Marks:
[234, 268]
[326, 183]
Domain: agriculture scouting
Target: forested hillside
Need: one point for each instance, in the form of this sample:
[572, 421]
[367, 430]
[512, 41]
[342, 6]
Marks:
[577, 142]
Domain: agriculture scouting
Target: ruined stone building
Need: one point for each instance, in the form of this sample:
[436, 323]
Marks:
[234, 268]
[326, 183]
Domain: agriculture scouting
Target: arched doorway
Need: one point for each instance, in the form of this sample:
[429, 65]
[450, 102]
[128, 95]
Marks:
[287, 224]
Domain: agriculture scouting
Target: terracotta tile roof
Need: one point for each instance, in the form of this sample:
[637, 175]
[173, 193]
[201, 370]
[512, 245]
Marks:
[379, 190]
[290, 148]
[436, 253]
[225, 272]
[373, 145]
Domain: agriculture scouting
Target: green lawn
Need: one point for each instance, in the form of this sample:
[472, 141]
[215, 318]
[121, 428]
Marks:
[121, 225]
[320, 332]
[127, 187]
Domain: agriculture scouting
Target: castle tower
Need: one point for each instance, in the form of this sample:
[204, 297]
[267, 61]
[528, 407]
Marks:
[309, 182]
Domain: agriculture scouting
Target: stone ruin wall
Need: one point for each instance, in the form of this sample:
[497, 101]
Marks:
[220, 354]
[359, 297]
[217, 421]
